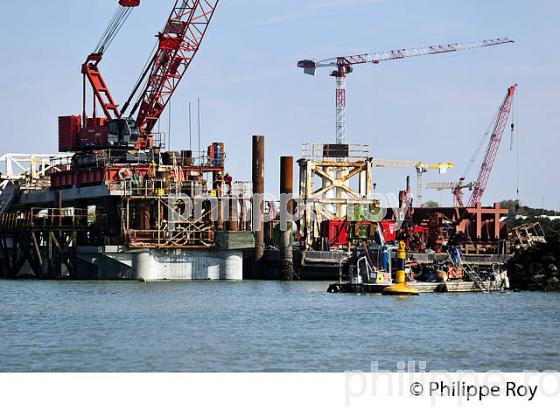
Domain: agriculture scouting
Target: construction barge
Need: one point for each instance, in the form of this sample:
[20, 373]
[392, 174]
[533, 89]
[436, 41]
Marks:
[115, 205]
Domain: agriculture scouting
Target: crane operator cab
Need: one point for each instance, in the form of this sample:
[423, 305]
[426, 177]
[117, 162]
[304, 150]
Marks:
[123, 132]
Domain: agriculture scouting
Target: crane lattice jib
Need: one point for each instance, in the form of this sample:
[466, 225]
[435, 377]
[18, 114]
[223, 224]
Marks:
[343, 66]
[493, 146]
[376, 58]
[178, 44]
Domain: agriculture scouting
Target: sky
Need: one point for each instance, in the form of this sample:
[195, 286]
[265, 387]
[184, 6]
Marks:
[434, 109]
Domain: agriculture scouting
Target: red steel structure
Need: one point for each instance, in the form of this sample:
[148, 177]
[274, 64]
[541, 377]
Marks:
[493, 146]
[458, 193]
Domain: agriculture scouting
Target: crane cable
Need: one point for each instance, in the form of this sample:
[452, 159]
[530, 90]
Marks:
[479, 147]
[515, 140]
[139, 82]
[115, 25]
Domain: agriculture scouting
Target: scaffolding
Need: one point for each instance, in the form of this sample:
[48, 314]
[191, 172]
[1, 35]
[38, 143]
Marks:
[527, 235]
[334, 180]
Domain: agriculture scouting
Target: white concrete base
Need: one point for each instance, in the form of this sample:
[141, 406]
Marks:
[158, 265]
[171, 264]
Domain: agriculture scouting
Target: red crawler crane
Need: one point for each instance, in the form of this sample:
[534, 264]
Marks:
[177, 46]
[492, 151]
[478, 187]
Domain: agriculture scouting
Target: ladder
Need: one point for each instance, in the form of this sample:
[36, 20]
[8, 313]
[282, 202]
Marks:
[475, 277]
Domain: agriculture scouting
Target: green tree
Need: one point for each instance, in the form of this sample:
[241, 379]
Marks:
[431, 204]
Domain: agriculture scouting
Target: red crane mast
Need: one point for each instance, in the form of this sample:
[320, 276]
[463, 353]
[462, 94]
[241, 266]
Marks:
[493, 146]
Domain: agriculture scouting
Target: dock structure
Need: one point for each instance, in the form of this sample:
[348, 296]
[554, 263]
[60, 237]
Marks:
[155, 215]
[39, 242]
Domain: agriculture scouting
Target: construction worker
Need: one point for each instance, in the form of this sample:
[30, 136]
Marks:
[456, 256]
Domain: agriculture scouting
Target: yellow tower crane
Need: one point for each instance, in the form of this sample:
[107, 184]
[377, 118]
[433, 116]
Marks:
[421, 168]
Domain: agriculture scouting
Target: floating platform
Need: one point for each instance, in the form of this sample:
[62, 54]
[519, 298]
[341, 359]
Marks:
[422, 287]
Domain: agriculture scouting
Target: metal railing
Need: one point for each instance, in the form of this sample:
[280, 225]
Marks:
[48, 218]
[346, 152]
[25, 166]
[150, 188]
[163, 239]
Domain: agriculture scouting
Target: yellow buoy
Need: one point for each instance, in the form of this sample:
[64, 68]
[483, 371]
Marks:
[400, 287]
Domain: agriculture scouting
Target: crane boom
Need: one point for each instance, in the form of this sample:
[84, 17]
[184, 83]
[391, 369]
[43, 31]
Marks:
[178, 44]
[493, 146]
[344, 66]
[455, 187]
[90, 68]
[441, 186]
[479, 186]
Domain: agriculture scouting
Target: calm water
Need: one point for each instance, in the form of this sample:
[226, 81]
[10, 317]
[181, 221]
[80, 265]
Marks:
[267, 326]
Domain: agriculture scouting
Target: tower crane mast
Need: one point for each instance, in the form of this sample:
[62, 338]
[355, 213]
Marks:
[344, 65]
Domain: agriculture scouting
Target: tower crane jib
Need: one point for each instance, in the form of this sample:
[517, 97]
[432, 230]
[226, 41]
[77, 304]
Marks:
[342, 66]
